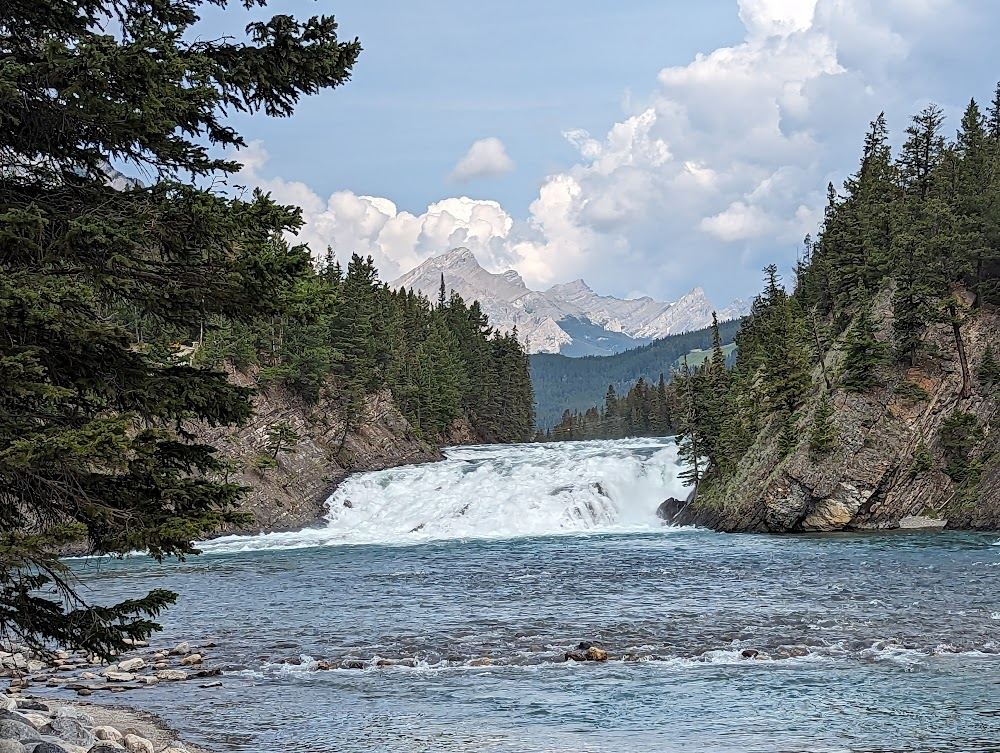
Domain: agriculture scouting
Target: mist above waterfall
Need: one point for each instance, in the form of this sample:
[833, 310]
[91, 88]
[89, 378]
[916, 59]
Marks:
[494, 491]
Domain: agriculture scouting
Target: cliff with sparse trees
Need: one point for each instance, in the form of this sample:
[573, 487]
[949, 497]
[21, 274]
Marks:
[867, 397]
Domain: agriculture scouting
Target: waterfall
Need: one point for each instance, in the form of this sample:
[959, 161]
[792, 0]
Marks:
[494, 491]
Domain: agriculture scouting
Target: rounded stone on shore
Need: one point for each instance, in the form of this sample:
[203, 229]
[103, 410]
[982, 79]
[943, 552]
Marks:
[70, 730]
[35, 720]
[47, 746]
[14, 730]
[136, 744]
[11, 746]
[106, 732]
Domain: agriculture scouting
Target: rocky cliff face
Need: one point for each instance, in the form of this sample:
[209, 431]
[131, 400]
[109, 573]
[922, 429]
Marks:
[292, 495]
[879, 476]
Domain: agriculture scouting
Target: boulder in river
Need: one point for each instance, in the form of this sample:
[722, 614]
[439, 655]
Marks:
[669, 509]
[596, 654]
[131, 665]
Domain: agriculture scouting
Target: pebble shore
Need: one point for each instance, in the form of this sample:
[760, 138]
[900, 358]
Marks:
[30, 724]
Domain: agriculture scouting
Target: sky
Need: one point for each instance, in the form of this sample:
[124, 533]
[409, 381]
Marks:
[647, 147]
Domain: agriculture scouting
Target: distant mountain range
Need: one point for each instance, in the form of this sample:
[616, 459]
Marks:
[570, 318]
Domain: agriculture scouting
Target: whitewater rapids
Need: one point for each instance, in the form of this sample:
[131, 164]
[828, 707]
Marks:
[494, 492]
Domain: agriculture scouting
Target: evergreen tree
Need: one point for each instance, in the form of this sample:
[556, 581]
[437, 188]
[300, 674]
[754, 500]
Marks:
[864, 355]
[823, 436]
[989, 370]
[788, 433]
[91, 447]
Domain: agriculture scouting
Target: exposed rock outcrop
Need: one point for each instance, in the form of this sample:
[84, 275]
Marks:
[875, 478]
[292, 494]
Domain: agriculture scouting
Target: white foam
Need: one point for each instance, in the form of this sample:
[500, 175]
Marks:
[494, 491]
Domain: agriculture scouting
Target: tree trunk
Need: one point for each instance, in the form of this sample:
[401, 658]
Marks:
[819, 351]
[960, 346]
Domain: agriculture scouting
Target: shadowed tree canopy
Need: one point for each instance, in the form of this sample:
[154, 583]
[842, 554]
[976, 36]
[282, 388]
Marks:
[92, 440]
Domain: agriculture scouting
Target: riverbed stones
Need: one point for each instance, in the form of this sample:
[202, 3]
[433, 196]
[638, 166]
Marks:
[595, 653]
[132, 665]
[107, 746]
[749, 653]
[172, 674]
[483, 661]
[11, 746]
[180, 649]
[192, 659]
[136, 744]
[119, 676]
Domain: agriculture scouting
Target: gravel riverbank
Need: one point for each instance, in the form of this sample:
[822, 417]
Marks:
[33, 722]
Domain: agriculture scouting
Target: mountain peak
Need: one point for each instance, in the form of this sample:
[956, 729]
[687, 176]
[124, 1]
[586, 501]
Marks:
[568, 317]
[574, 286]
[455, 256]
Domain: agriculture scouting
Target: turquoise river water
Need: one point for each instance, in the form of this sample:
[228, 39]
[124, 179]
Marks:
[866, 642]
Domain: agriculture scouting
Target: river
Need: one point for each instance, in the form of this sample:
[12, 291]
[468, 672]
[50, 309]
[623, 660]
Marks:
[516, 555]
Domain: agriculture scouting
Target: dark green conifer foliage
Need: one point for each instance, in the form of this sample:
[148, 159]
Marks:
[823, 434]
[690, 449]
[923, 461]
[989, 370]
[92, 445]
[959, 434]
[788, 433]
[864, 355]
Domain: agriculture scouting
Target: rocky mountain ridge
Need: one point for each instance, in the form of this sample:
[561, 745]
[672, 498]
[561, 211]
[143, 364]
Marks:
[568, 318]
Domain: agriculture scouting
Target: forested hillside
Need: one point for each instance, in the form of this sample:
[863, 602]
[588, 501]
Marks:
[576, 384]
[441, 361]
[869, 394]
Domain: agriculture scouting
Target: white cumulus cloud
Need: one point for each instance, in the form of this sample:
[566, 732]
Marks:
[722, 169]
[486, 158]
